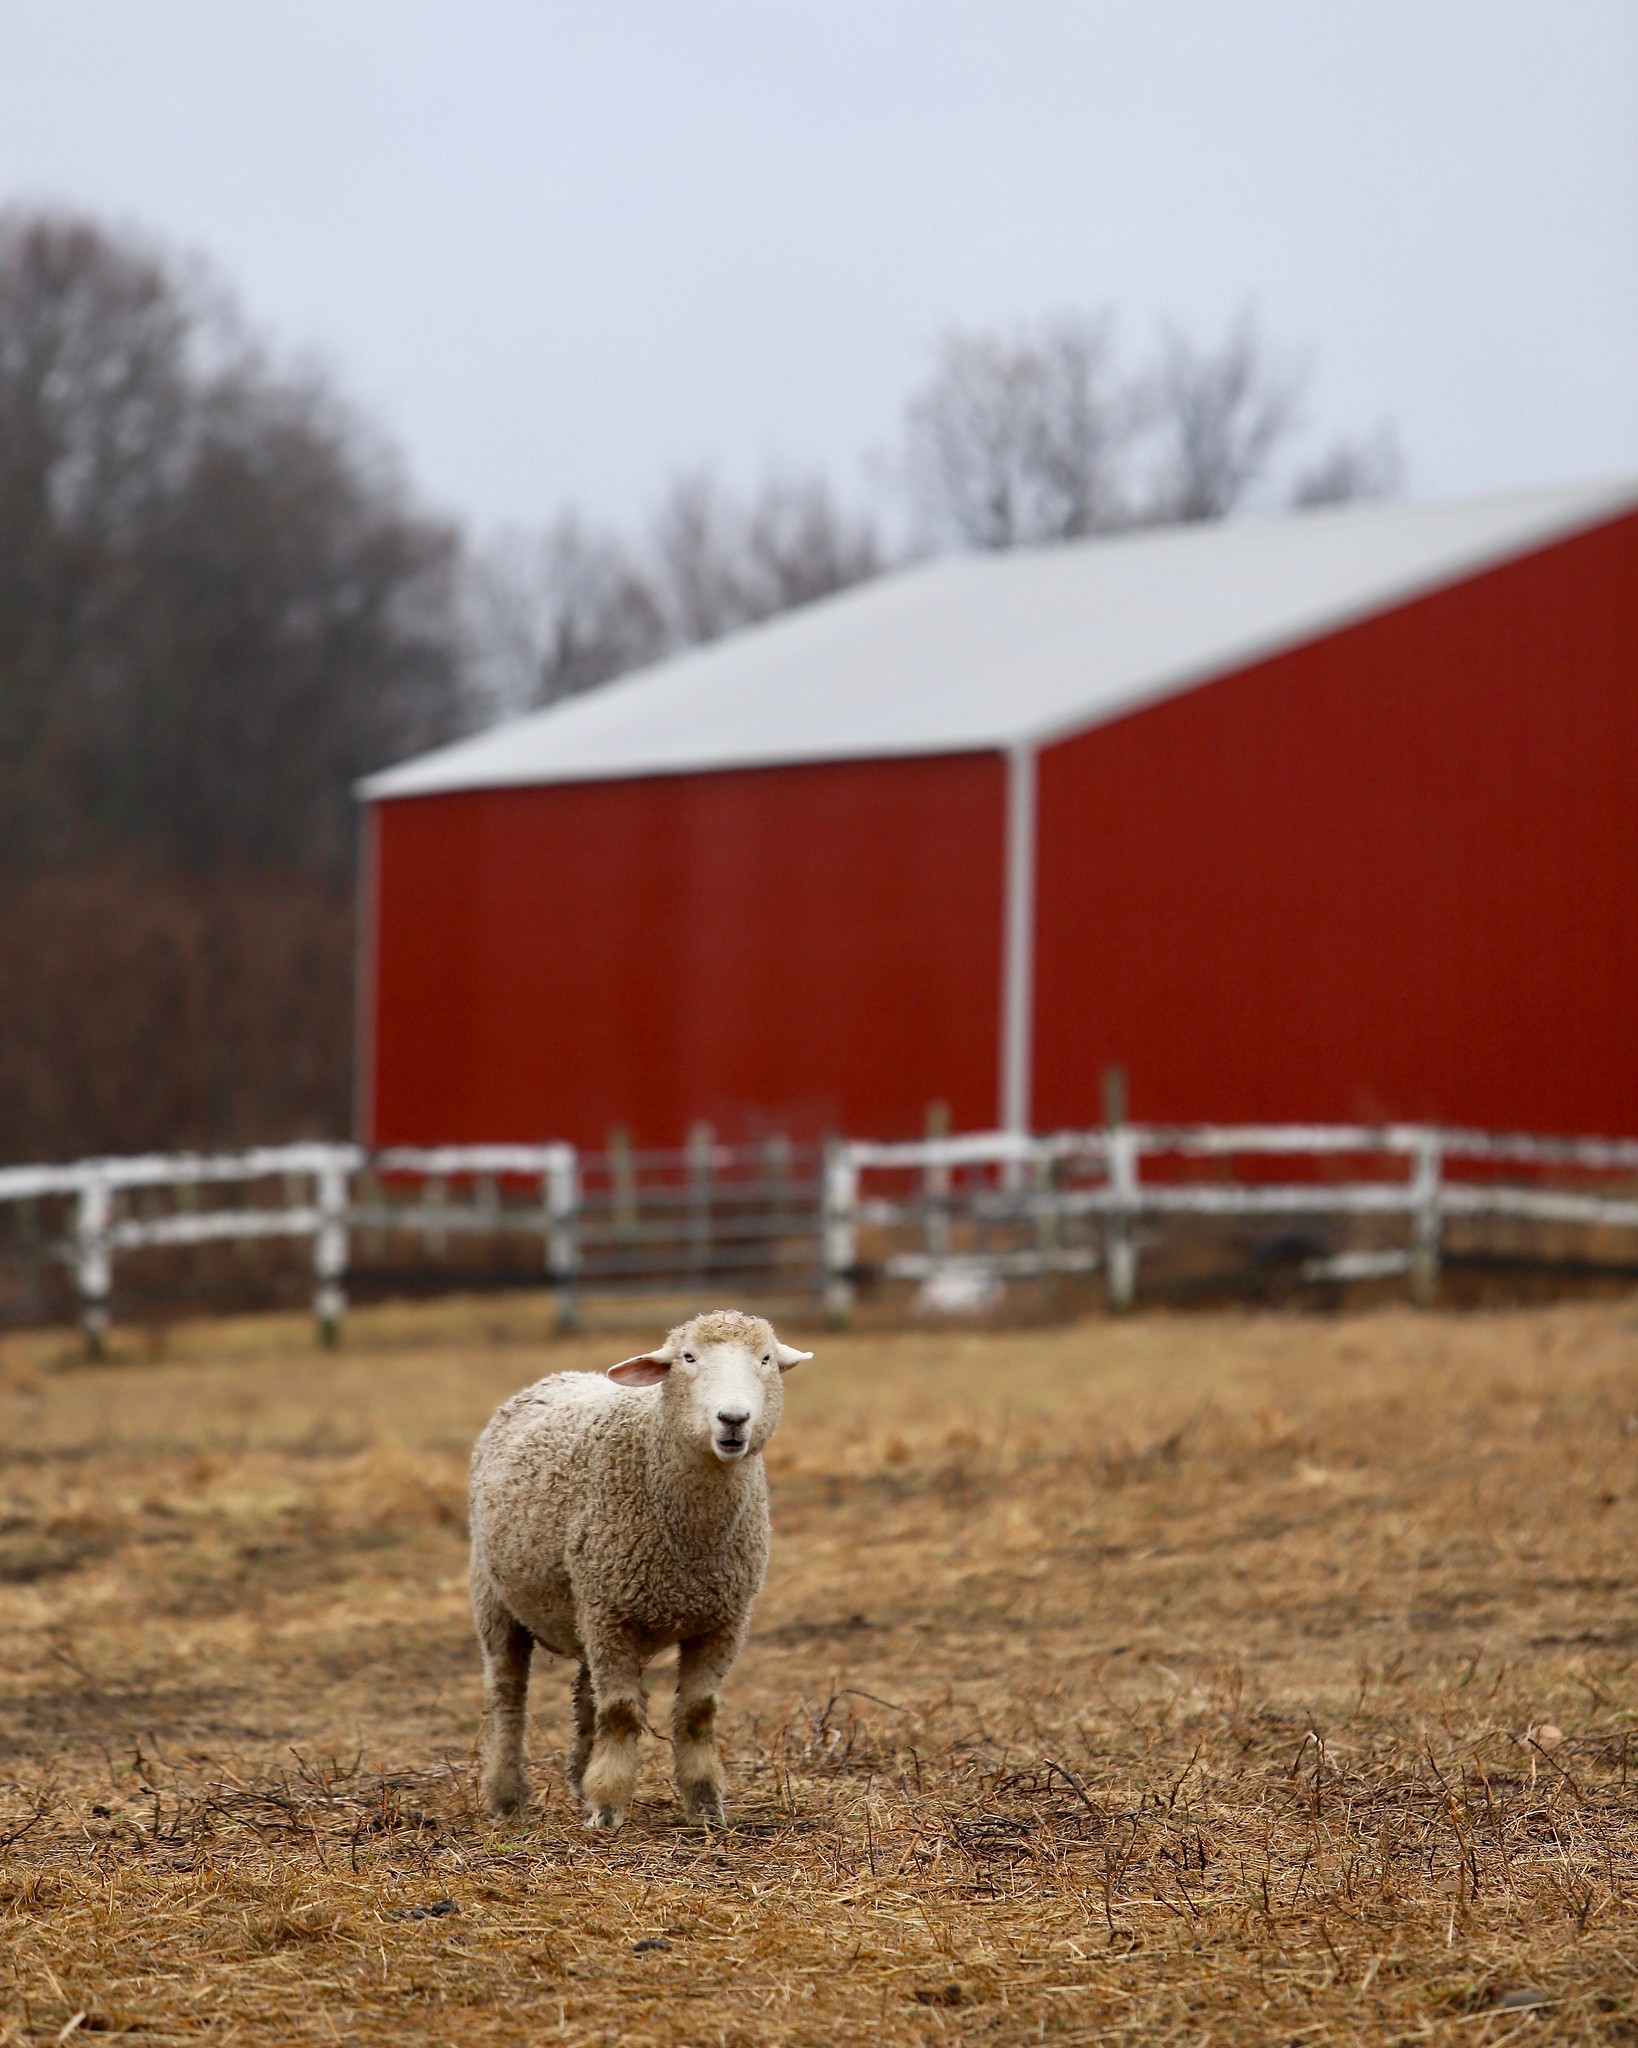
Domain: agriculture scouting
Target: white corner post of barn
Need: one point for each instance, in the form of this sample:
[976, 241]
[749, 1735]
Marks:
[1018, 944]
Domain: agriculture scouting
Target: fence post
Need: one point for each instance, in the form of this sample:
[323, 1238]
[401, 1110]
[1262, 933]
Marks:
[94, 1269]
[701, 1142]
[31, 1249]
[371, 1195]
[1427, 1219]
[841, 1223]
[935, 1185]
[776, 1174]
[623, 1180]
[435, 1196]
[330, 1253]
[1120, 1253]
[1047, 1236]
[562, 1208]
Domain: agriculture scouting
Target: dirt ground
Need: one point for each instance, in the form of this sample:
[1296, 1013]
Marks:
[1252, 1678]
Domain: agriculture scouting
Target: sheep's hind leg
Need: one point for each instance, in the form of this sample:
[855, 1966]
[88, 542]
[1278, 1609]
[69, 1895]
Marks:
[611, 1771]
[702, 1665]
[585, 1728]
[506, 1645]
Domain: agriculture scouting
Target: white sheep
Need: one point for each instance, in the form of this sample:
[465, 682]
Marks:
[612, 1516]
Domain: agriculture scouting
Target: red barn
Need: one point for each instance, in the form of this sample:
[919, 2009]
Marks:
[1328, 817]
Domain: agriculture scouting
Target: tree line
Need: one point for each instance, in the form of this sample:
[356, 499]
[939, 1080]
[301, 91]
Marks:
[221, 602]
[1014, 439]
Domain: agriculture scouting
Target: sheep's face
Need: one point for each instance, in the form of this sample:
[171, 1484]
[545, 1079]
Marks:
[722, 1381]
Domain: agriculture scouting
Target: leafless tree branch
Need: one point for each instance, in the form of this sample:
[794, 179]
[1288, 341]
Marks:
[1219, 415]
[1351, 470]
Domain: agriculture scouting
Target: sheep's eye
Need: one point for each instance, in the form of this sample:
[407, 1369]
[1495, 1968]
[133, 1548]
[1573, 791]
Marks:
[688, 1358]
[765, 1357]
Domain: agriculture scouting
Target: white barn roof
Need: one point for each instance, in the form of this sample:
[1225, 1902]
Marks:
[974, 653]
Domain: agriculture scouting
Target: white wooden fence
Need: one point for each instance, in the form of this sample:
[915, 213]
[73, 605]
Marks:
[984, 1207]
[314, 1184]
[1095, 1180]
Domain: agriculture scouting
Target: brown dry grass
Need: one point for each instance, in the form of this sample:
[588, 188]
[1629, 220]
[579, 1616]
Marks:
[1168, 1681]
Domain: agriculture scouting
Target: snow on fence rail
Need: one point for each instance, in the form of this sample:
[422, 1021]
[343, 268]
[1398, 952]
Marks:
[957, 1214]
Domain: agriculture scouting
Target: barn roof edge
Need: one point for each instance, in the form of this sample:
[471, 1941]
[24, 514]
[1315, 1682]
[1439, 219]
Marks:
[973, 655]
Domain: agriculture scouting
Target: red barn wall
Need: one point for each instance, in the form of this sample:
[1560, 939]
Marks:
[1391, 873]
[796, 949]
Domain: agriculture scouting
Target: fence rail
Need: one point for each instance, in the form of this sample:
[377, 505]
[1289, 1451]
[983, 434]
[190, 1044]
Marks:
[1084, 1194]
[955, 1215]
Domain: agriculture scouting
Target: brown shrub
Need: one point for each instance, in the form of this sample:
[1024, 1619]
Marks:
[150, 1011]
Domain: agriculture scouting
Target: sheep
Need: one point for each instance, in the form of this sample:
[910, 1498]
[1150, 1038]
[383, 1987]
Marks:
[612, 1516]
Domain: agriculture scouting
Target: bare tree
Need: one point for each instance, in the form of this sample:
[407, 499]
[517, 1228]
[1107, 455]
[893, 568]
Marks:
[1219, 416]
[966, 444]
[553, 614]
[1018, 438]
[1350, 470]
[1038, 435]
[217, 607]
[720, 562]
[699, 566]
[92, 397]
[798, 545]
[96, 338]
[288, 626]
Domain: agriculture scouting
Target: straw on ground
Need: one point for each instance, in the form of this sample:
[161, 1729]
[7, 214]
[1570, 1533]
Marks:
[1243, 1679]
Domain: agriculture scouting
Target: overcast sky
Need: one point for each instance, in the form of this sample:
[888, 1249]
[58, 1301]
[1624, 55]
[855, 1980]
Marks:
[561, 251]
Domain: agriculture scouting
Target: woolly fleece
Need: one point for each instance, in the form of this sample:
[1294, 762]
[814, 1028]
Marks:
[605, 1530]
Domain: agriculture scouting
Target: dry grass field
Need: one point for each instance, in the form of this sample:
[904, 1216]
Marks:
[1250, 1678]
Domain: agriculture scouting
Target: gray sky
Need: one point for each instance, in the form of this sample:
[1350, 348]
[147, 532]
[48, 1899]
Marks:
[561, 250]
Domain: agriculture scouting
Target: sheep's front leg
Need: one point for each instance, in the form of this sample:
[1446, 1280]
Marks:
[611, 1771]
[506, 1646]
[702, 1665]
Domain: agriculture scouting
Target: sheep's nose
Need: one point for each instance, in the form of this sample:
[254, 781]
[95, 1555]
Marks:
[733, 1418]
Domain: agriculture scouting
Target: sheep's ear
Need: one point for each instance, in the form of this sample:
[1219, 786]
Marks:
[647, 1369]
[788, 1356]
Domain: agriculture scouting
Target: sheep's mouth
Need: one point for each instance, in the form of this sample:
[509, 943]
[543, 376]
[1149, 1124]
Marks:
[730, 1447]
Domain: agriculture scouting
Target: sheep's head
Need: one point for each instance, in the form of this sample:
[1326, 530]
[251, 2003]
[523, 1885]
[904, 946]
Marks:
[722, 1381]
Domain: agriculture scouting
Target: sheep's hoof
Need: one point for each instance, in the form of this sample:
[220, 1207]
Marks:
[505, 1798]
[703, 1805]
[608, 1818]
